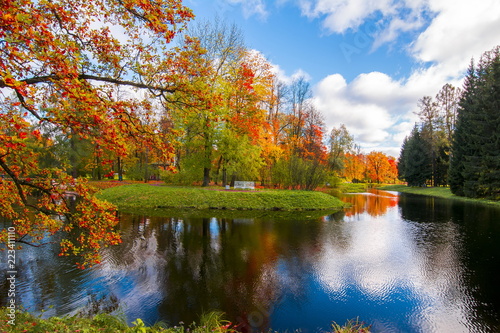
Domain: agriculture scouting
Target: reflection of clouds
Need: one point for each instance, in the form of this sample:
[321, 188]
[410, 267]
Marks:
[140, 282]
[387, 258]
[372, 257]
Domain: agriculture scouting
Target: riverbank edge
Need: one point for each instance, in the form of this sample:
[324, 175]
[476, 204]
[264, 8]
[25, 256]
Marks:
[212, 322]
[166, 197]
[438, 192]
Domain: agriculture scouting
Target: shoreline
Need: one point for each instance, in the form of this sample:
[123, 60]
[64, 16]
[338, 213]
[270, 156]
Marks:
[437, 192]
[145, 196]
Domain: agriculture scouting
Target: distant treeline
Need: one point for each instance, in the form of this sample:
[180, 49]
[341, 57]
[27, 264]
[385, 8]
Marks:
[458, 141]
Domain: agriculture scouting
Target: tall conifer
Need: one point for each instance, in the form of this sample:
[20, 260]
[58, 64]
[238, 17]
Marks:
[475, 163]
[460, 137]
[416, 160]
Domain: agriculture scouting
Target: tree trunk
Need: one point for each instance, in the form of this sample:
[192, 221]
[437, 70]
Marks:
[120, 169]
[224, 177]
[72, 157]
[146, 171]
[233, 179]
[98, 163]
[206, 176]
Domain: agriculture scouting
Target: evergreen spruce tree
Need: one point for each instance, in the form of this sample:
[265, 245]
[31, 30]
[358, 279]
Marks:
[460, 137]
[402, 160]
[442, 164]
[416, 159]
[475, 163]
[489, 175]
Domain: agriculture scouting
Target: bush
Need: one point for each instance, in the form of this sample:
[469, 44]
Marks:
[299, 173]
[138, 171]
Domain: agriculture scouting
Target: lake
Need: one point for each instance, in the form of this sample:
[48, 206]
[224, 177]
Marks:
[401, 263]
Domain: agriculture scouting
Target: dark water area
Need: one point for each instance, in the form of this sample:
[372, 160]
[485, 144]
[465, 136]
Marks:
[401, 263]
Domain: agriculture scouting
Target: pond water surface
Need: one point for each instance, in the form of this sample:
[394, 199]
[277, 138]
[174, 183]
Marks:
[401, 263]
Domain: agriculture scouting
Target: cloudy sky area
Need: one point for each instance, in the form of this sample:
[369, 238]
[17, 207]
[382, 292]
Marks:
[368, 61]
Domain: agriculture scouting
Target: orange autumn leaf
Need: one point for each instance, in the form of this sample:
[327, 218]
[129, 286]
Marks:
[66, 75]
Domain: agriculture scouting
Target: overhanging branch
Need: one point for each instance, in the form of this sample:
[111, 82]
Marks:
[53, 77]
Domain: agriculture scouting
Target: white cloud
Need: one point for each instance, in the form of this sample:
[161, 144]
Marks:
[300, 73]
[251, 7]
[342, 15]
[288, 79]
[378, 110]
[460, 30]
[373, 107]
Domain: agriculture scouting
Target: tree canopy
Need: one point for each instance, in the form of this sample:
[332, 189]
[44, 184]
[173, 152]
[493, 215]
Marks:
[90, 89]
[475, 163]
[75, 68]
[457, 142]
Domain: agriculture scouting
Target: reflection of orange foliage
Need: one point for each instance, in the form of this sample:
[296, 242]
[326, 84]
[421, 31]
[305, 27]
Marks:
[269, 245]
[375, 203]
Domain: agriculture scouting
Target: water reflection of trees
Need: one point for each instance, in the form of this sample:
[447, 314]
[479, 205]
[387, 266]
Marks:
[49, 284]
[245, 266]
[204, 264]
[375, 203]
[175, 269]
[471, 230]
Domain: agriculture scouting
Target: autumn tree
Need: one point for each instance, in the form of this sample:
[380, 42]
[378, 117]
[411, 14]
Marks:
[275, 102]
[354, 165]
[299, 97]
[61, 66]
[272, 95]
[303, 163]
[245, 123]
[381, 168]
[313, 135]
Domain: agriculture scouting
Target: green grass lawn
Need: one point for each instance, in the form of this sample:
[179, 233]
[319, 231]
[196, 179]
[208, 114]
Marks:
[148, 196]
[441, 192]
[342, 188]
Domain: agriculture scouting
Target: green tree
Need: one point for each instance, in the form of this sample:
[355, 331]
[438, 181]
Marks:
[431, 130]
[447, 101]
[340, 143]
[202, 123]
[475, 163]
[460, 147]
[298, 173]
[415, 161]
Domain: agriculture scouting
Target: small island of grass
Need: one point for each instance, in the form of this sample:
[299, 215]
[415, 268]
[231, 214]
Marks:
[146, 196]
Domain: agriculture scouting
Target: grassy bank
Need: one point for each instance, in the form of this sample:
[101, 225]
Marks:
[146, 196]
[440, 192]
[342, 188]
[105, 323]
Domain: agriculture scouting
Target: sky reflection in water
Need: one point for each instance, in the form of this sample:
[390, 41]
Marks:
[401, 264]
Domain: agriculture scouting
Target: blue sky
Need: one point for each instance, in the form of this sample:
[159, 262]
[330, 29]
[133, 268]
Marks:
[368, 61]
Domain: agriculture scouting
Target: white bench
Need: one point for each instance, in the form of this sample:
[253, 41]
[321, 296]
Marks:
[244, 185]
